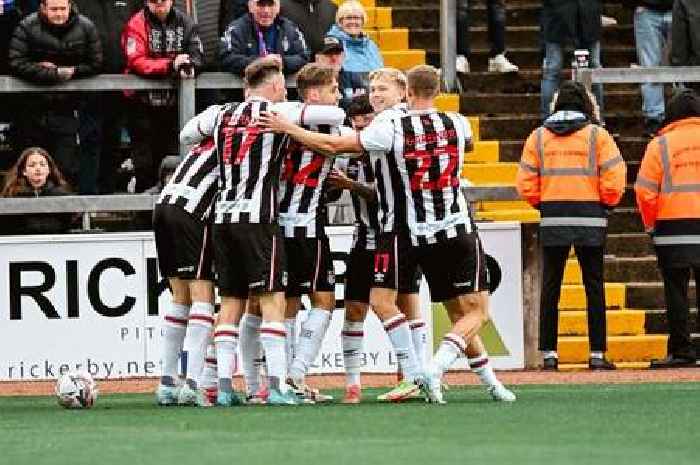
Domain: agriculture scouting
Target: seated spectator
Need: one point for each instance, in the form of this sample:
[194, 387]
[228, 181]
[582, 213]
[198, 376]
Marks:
[54, 45]
[314, 18]
[167, 168]
[685, 35]
[35, 174]
[263, 33]
[361, 53]
[175, 52]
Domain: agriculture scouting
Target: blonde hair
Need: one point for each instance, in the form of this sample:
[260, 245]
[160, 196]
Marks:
[350, 6]
[390, 74]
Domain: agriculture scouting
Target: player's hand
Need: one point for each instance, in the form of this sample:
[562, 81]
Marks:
[338, 179]
[274, 122]
[277, 58]
[47, 64]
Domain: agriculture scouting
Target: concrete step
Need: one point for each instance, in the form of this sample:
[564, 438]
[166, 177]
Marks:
[657, 323]
[447, 102]
[519, 126]
[618, 365]
[530, 58]
[403, 59]
[490, 173]
[650, 295]
[632, 148]
[390, 39]
[573, 296]
[618, 269]
[523, 215]
[494, 205]
[625, 220]
[485, 151]
[575, 349]
[618, 323]
[495, 103]
[379, 18]
[629, 244]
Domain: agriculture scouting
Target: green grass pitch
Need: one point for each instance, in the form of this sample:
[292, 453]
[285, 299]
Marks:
[557, 424]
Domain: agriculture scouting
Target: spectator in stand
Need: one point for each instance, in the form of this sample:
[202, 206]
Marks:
[685, 35]
[230, 11]
[263, 32]
[159, 42]
[498, 63]
[572, 172]
[9, 17]
[109, 16]
[54, 45]
[669, 201]
[35, 174]
[314, 18]
[564, 22]
[361, 53]
[349, 84]
[652, 29]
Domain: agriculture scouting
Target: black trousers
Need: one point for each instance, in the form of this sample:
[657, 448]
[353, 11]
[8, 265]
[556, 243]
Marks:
[676, 282]
[496, 12]
[553, 262]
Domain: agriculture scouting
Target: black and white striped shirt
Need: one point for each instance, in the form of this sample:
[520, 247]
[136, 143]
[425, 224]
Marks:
[366, 213]
[417, 158]
[194, 184]
[302, 210]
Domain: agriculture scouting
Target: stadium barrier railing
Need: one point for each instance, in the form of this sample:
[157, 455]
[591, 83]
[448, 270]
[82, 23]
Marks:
[637, 75]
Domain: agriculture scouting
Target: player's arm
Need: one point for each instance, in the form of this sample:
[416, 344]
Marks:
[322, 143]
[200, 127]
[310, 115]
[365, 190]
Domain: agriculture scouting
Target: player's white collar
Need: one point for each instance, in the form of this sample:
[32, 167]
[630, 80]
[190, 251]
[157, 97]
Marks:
[422, 112]
[258, 98]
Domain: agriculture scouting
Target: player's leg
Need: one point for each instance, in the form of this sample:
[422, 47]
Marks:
[292, 307]
[226, 336]
[409, 304]
[480, 364]
[251, 352]
[199, 328]
[174, 328]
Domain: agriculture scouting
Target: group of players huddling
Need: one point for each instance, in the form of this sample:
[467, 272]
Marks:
[249, 199]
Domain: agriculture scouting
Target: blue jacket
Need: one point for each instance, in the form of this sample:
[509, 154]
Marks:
[239, 45]
[361, 54]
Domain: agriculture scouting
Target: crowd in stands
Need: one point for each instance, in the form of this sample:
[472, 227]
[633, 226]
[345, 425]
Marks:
[50, 41]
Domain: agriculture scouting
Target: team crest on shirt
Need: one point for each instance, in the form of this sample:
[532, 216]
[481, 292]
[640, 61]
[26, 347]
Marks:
[379, 277]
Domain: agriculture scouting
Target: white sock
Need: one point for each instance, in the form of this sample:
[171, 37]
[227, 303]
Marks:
[451, 348]
[272, 336]
[251, 352]
[596, 354]
[551, 354]
[419, 336]
[482, 367]
[352, 337]
[199, 327]
[174, 327]
[209, 374]
[226, 340]
[310, 337]
[290, 324]
[400, 336]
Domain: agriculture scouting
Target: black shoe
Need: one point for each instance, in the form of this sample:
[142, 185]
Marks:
[673, 362]
[597, 363]
[550, 364]
[651, 127]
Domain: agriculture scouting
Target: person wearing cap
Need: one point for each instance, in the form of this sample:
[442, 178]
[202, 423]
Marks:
[314, 18]
[668, 196]
[263, 32]
[361, 53]
[350, 84]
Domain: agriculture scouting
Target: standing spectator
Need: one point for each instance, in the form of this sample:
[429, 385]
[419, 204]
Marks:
[109, 16]
[53, 45]
[9, 17]
[35, 174]
[263, 32]
[652, 29]
[572, 172]
[361, 53]
[350, 84]
[159, 42]
[563, 22]
[230, 11]
[314, 18]
[669, 201]
[498, 63]
[685, 35]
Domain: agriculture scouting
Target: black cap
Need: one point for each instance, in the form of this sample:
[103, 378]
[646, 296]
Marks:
[331, 45]
[265, 1]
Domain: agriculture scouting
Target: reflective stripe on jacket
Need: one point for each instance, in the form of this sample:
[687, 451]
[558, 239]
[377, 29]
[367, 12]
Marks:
[572, 178]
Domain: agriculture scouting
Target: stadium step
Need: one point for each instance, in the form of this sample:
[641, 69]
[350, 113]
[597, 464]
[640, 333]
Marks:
[618, 269]
[493, 205]
[447, 102]
[379, 17]
[523, 216]
[656, 321]
[631, 147]
[619, 365]
[403, 59]
[390, 39]
[490, 173]
[650, 295]
[485, 151]
[619, 322]
[573, 296]
[643, 348]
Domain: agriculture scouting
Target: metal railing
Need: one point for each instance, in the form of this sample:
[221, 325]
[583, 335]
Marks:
[448, 44]
[639, 75]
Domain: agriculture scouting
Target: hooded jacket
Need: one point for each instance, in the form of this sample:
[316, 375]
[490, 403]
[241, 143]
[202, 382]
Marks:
[75, 43]
[685, 33]
[314, 18]
[577, 21]
[240, 45]
[572, 171]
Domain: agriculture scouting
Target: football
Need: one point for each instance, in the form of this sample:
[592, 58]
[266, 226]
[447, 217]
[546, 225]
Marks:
[76, 390]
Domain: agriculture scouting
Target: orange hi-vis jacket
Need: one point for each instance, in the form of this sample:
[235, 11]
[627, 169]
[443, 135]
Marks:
[573, 179]
[668, 189]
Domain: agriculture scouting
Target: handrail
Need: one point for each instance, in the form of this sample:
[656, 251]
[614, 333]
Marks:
[448, 44]
[639, 75]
